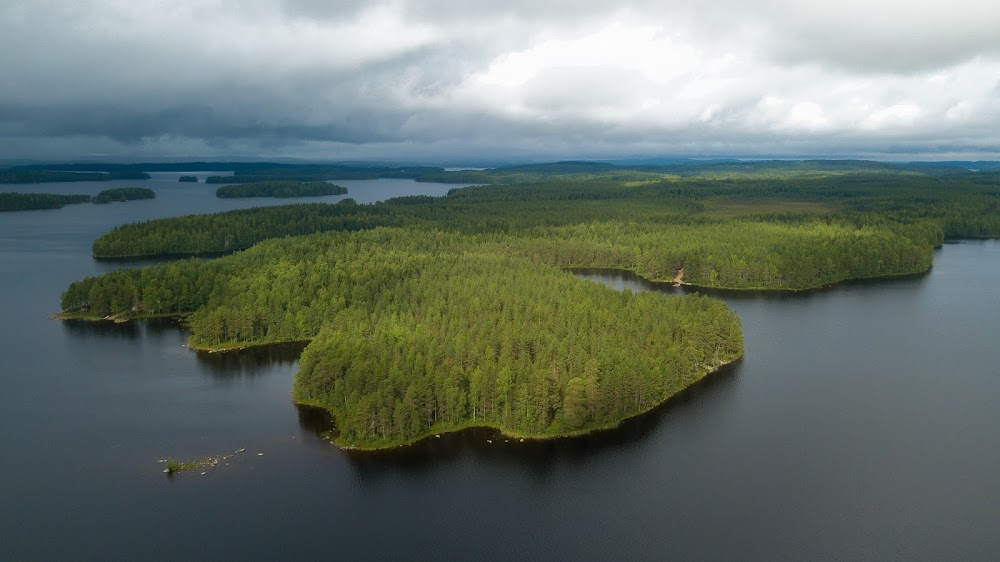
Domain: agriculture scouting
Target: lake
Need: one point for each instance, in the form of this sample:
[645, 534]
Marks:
[862, 423]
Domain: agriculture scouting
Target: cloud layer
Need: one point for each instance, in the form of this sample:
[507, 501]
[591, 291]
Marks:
[484, 79]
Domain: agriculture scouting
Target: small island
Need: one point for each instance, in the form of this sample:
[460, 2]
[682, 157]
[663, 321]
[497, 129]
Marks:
[280, 188]
[188, 179]
[31, 201]
[124, 194]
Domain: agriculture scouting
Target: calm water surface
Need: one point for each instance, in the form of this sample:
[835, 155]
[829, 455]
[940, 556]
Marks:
[861, 424]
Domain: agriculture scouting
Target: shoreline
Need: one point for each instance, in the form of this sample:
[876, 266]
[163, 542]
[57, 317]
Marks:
[244, 346]
[114, 318]
[778, 290]
[434, 433]
[502, 431]
[506, 432]
[164, 258]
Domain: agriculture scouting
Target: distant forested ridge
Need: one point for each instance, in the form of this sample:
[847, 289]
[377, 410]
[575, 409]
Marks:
[787, 229]
[124, 194]
[280, 188]
[318, 172]
[49, 176]
[245, 172]
[419, 334]
[29, 201]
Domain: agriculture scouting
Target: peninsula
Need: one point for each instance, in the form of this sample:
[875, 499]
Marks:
[425, 315]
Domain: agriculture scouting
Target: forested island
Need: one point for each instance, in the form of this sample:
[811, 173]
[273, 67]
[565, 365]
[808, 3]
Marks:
[188, 179]
[124, 194]
[279, 188]
[30, 201]
[431, 314]
[27, 201]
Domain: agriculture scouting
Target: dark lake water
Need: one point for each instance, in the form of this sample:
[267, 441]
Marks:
[862, 424]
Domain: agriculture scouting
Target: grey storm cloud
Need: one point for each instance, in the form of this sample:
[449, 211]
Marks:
[477, 79]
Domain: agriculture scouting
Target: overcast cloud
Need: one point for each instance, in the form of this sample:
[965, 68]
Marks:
[520, 79]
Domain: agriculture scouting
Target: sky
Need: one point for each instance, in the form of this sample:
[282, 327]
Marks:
[524, 80]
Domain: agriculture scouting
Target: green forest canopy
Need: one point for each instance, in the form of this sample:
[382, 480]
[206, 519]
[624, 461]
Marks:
[431, 314]
[793, 232]
[30, 201]
[412, 335]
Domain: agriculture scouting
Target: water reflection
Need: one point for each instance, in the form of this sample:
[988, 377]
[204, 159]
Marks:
[619, 280]
[130, 330]
[247, 362]
[251, 361]
[314, 420]
[85, 329]
[536, 457]
[144, 261]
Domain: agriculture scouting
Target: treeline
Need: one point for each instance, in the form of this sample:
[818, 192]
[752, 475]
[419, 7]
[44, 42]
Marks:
[188, 179]
[240, 229]
[29, 201]
[413, 335]
[762, 169]
[281, 188]
[24, 201]
[724, 233]
[124, 194]
[734, 254]
[11, 175]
